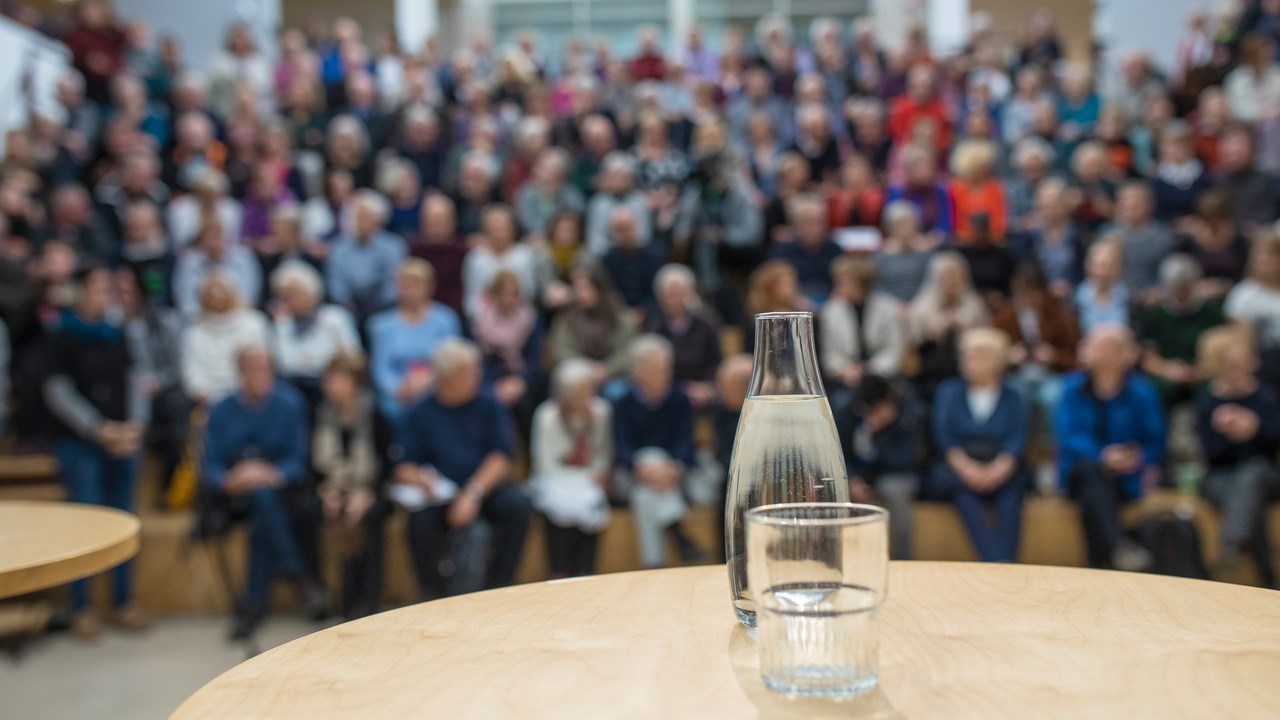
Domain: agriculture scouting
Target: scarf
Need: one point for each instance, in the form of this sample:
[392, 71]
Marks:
[580, 432]
[354, 467]
[76, 326]
[504, 336]
[1180, 175]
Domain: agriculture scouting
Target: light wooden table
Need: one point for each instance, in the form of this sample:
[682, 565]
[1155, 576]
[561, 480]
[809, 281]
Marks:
[959, 640]
[43, 544]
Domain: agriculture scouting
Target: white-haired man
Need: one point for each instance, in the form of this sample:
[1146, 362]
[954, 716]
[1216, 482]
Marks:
[653, 448]
[255, 462]
[361, 269]
[457, 444]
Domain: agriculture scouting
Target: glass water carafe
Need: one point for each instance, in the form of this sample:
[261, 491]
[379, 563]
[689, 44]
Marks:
[787, 448]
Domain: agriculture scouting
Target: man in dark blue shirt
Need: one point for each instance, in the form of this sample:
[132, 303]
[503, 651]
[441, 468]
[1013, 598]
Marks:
[653, 447]
[631, 265]
[813, 250]
[458, 441]
[882, 432]
[255, 457]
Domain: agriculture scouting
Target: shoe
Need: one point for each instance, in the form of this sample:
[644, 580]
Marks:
[86, 625]
[244, 624]
[130, 619]
[1130, 557]
[315, 602]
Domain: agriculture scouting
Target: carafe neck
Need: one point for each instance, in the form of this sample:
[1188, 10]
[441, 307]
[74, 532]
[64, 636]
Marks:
[786, 362]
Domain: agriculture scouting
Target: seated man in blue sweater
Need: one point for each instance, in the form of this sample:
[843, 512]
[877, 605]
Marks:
[255, 457]
[457, 451]
[653, 447]
[1111, 433]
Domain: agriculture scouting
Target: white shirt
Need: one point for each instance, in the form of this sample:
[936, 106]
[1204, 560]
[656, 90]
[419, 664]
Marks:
[481, 266]
[1256, 304]
[982, 403]
[1250, 97]
[211, 347]
[308, 353]
[183, 216]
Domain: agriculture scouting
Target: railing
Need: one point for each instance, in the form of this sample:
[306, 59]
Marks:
[30, 65]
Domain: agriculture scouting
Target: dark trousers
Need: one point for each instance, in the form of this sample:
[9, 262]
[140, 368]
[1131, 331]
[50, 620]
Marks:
[92, 476]
[993, 520]
[505, 510]
[571, 552]
[1241, 492]
[273, 547]
[1100, 496]
[362, 570]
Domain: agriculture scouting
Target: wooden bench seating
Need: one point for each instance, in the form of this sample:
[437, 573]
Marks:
[29, 477]
[174, 576]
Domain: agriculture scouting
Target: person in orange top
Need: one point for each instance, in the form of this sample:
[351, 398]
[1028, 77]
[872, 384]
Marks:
[918, 103]
[858, 200]
[976, 193]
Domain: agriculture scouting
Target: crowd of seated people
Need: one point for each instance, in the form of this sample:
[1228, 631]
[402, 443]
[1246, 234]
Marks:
[491, 285]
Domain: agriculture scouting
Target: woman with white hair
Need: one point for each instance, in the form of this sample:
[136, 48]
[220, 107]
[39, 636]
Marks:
[308, 334]
[347, 148]
[616, 188]
[903, 259]
[980, 425]
[212, 344]
[680, 319]
[572, 453]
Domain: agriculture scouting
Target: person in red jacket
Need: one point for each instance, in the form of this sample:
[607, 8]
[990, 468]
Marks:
[97, 48]
[918, 103]
[977, 195]
[648, 64]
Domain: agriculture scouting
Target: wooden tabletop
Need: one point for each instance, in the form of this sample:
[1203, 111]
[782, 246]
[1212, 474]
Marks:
[959, 640]
[43, 544]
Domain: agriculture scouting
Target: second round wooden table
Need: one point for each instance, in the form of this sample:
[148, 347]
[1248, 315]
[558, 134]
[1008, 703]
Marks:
[45, 544]
[958, 640]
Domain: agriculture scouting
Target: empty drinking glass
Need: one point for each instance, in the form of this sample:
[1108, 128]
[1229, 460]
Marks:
[819, 574]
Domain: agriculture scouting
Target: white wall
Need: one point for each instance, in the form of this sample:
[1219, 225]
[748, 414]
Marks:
[201, 24]
[1153, 26]
[30, 65]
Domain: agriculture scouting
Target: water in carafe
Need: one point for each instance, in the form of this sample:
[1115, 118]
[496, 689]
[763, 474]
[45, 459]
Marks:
[787, 448]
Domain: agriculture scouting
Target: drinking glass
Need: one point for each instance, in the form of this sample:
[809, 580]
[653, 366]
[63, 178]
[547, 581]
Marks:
[819, 574]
